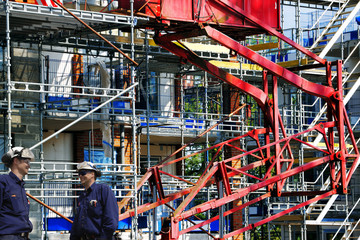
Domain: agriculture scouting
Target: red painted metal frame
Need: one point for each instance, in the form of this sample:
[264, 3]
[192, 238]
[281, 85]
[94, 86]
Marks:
[238, 11]
[210, 178]
[269, 219]
[278, 167]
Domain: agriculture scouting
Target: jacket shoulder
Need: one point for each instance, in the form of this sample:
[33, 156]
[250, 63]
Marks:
[4, 179]
[104, 187]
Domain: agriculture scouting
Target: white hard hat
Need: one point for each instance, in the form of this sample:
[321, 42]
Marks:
[88, 166]
[19, 152]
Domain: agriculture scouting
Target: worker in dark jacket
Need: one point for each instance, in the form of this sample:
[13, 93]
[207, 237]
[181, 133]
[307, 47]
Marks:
[14, 205]
[96, 216]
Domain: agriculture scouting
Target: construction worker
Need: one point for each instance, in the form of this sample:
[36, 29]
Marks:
[96, 215]
[14, 205]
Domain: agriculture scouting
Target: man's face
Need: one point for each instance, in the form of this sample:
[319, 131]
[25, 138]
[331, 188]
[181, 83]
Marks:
[86, 176]
[23, 165]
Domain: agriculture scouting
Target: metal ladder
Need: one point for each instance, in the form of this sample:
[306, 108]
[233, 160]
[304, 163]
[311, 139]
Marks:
[353, 89]
[339, 22]
[352, 231]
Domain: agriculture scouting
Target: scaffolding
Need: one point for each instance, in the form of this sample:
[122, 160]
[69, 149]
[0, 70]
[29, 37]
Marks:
[60, 80]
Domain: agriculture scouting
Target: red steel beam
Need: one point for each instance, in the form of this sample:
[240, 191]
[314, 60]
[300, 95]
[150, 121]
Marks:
[176, 177]
[222, 176]
[292, 78]
[174, 196]
[201, 134]
[237, 10]
[239, 172]
[244, 191]
[139, 184]
[206, 222]
[156, 180]
[319, 126]
[165, 41]
[171, 197]
[260, 130]
[196, 189]
[272, 218]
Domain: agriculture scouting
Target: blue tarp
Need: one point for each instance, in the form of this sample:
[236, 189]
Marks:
[60, 224]
[357, 20]
[96, 156]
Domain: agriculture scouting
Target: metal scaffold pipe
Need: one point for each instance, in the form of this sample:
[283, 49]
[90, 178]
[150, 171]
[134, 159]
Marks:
[84, 116]
[48, 207]
[96, 33]
[8, 71]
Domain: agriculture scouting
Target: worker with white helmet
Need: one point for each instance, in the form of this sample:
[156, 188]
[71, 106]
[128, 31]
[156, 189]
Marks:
[14, 205]
[96, 216]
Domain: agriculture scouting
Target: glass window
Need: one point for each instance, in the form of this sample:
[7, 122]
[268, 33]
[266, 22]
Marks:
[151, 89]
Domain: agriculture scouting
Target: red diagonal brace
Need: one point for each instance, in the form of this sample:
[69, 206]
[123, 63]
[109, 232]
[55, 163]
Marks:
[292, 78]
[196, 189]
[255, 200]
[156, 181]
[259, 223]
[165, 41]
[244, 191]
[222, 176]
[139, 184]
[237, 10]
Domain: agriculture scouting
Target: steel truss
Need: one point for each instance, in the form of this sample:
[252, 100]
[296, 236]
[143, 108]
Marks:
[274, 148]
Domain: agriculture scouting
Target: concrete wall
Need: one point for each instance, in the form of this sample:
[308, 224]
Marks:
[59, 148]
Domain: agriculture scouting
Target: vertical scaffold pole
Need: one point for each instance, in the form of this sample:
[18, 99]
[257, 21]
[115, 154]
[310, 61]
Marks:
[221, 212]
[134, 227]
[41, 155]
[151, 221]
[154, 214]
[207, 123]
[8, 69]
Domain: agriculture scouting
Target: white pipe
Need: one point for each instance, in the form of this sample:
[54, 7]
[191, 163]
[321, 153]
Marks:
[340, 31]
[84, 116]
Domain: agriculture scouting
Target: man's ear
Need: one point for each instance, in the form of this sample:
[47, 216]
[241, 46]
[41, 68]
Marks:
[16, 160]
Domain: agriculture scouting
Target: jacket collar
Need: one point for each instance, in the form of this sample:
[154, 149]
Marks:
[16, 179]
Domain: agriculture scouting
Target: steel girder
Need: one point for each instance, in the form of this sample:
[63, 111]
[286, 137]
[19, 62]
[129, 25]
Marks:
[221, 172]
[274, 153]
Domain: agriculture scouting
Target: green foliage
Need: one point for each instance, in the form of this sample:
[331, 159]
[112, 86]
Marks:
[193, 105]
[261, 232]
[195, 165]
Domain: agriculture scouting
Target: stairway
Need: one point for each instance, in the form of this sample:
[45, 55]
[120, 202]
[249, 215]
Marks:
[352, 231]
[352, 228]
[335, 28]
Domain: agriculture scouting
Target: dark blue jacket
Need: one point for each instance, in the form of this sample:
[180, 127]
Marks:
[96, 214]
[14, 206]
